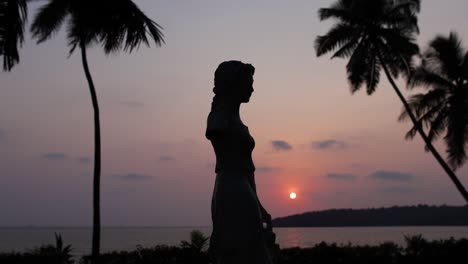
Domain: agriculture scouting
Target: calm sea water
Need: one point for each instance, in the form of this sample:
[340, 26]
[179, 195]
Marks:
[126, 238]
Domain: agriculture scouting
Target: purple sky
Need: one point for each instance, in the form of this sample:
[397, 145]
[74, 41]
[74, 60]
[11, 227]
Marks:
[333, 149]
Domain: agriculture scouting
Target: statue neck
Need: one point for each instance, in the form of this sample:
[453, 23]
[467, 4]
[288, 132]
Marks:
[224, 104]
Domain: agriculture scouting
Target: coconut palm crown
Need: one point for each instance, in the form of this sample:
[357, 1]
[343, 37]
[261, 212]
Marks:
[371, 33]
[443, 107]
[115, 24]
[13, 16]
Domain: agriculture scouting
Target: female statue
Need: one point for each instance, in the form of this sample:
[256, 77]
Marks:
[238, 233]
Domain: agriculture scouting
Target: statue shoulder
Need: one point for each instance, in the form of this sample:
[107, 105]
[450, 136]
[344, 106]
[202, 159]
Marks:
[217, 123]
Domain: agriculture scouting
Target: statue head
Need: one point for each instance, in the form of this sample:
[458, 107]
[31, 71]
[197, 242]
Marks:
[234, 81]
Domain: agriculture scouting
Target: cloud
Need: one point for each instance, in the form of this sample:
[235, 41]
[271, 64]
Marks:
[333, 144]
[341, 176]
[166, 158]
[281, 145]
[398, 190]
[84, 160]
[391, 176]
[133, 104]
[134, 177]
[55, 156]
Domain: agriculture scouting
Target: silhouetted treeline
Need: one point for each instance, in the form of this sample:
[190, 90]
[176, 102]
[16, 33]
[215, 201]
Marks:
[421, 215]
[416, 250]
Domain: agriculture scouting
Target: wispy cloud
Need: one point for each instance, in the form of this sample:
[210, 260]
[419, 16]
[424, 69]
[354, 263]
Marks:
[391, 176]
[332, 144]
[84, 160]
[55, 156]
[341, 176]
[166, 158]
[281, 145]
[134, 177]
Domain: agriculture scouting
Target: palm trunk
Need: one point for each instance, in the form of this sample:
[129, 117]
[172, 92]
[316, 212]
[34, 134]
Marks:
[97, 161]
[420, 130]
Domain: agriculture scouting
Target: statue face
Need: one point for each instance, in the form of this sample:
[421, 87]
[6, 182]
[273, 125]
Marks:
[246, 88]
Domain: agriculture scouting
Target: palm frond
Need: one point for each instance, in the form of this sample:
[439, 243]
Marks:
[464, 68]
[457, 128]
[456, 148]
[13, 16]
[403, 115]
[126, 27]
[412, 5]
[358, 66]
[403, 14]
[347, 49]
[422, 103]
[373, 75]
[337, 37]
[445, 55]
[437, 126]
[423, 77]
[339, 10]
[411, 133]
[399, 50]
[49, 19]
[433, 119]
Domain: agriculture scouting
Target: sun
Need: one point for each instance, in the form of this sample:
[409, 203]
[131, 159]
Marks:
[292, 195]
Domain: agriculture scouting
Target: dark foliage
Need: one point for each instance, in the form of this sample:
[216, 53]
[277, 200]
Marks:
[371, 33]
[159, 254]
[13, 15]
[417, 250]
[197, 244]
[443, 107]
[47, 254]
[115, 24]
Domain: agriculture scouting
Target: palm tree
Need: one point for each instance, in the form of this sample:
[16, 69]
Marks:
[443, 108]
[375, 35]
[198, 242]
[13, 16]
[116, 25]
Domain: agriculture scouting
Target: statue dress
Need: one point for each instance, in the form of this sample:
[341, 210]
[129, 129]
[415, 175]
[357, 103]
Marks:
[238, 235]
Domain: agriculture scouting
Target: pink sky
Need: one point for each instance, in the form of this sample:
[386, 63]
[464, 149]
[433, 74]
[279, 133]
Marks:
[346, 151]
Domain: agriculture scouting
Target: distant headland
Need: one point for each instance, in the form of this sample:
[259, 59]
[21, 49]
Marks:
[420, 215]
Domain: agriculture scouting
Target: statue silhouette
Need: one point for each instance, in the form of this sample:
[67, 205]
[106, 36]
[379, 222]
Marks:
[239, 232]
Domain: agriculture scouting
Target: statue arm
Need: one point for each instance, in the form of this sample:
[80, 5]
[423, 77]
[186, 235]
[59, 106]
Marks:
[217, 124]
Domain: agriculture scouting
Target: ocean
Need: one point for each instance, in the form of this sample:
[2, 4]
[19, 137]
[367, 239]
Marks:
[127, 238]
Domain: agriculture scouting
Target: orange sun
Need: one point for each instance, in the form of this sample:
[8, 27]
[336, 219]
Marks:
[292, 195]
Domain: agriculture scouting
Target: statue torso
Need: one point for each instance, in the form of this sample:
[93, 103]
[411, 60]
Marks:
[232, 143]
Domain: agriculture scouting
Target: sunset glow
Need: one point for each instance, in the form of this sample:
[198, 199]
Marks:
[317, 145]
